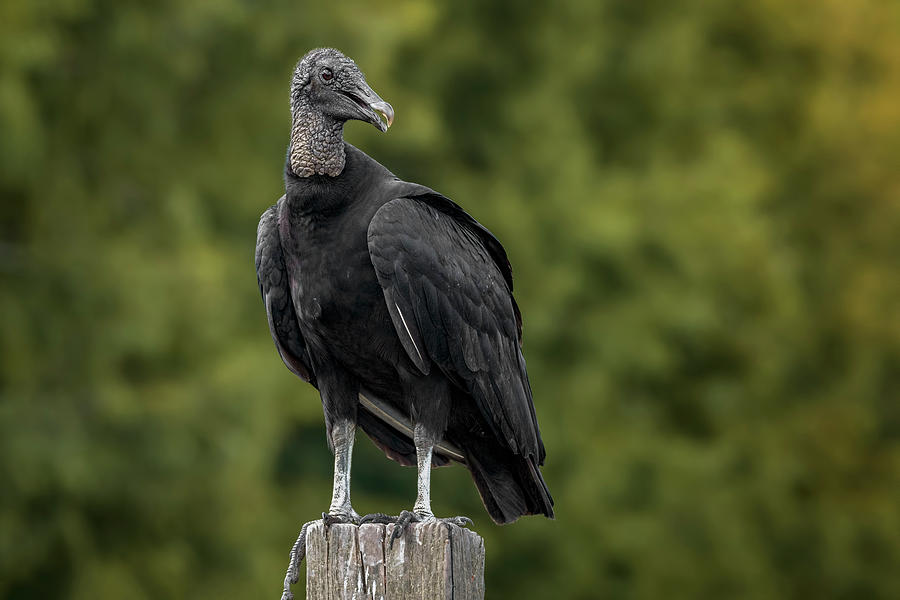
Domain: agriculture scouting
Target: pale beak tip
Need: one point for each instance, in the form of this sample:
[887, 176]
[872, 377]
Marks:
[388, 115]
[386, 110]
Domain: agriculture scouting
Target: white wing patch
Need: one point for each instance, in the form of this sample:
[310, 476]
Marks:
[405, 326]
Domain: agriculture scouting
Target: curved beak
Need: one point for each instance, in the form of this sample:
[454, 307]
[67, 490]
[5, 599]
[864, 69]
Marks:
[386, 110]
[370, 105]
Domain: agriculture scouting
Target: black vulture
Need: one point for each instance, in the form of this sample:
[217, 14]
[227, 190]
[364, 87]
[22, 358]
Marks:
[397, 306]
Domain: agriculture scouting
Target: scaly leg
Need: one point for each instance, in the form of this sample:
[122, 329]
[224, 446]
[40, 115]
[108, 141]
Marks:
[424, 449]
[340, 511]
[421, 511]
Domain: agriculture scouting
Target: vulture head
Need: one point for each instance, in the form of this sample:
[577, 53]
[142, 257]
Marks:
[327, 82]
[327, 90]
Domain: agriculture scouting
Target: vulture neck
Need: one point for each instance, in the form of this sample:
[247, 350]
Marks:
[317, 144]
[317, 196]
[362, 180]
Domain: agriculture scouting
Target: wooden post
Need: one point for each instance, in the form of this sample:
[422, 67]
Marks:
[431, 561]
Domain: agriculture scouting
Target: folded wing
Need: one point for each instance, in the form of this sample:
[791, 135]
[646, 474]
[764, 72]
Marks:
[274, 285]
[447, 286]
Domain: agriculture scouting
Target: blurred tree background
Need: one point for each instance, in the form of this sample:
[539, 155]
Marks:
[701, 201]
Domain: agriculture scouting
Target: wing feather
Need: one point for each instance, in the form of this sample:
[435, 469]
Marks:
[272, 277]
[451, 303]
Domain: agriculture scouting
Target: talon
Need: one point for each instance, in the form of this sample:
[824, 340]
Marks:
[395, 535]
[460, 521]
[406, 517]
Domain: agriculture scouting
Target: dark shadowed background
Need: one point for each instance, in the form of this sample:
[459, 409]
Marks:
[701, 201]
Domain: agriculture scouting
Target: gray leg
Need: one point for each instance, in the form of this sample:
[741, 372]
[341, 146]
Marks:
[340, 511]
[342, 435]
[424, 448]
[421, 511]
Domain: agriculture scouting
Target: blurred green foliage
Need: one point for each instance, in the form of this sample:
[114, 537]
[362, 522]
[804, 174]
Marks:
[701, 201]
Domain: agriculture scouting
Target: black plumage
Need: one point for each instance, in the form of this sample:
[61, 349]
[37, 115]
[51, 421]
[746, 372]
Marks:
[397, 305]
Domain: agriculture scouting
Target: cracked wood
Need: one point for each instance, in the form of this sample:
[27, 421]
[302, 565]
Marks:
[431, 561]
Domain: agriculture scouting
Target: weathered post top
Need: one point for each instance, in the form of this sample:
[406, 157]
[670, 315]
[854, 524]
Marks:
[431, 561]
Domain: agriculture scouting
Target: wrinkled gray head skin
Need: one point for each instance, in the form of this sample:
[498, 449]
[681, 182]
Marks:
[327, 90]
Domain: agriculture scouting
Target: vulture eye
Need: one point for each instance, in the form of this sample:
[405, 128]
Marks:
[327, 75]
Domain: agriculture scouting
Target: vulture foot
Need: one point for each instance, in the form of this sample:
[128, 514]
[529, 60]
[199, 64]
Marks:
[380, 518]
[402, 521]
[334, 517]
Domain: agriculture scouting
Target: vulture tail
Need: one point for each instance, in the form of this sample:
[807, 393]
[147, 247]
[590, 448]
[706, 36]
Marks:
[510, 484]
